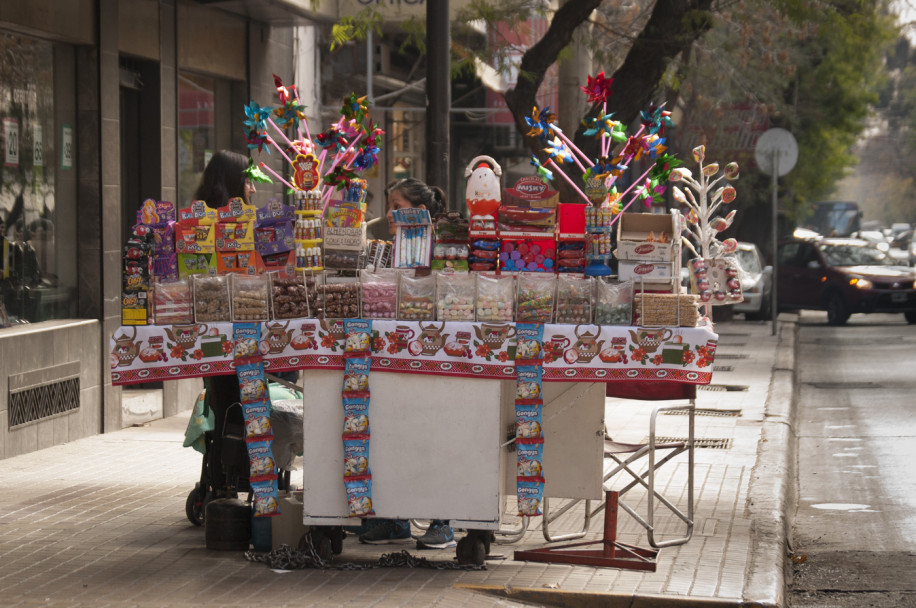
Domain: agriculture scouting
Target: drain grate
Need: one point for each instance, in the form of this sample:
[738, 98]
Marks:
[705, 412]
[729, 356]
[714, 444]
[843, 385]
[723, 368]
[722, 387]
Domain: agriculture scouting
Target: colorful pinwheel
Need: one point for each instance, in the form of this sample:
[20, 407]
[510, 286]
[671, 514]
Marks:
[598, 88]
[557, 149]
[542, 171]
[290, 113]
[603, 125]
[258, 140]
[655, 119]
[541, 122]
[254, 173]
[257, 116]
[354, 107]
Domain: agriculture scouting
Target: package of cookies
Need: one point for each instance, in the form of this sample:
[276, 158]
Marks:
[339, 300]
[535, 297]
[211, 298]
[455, 295]
[379, 293]
[250, 297]
[574, 299]
[495, 297]
[172, 302]
[417, 298]
[288, 295]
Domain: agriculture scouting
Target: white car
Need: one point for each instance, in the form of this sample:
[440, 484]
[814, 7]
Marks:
[756, 282]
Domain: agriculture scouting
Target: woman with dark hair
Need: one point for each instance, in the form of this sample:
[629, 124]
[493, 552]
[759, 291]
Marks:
[412, 192]
[225, 178]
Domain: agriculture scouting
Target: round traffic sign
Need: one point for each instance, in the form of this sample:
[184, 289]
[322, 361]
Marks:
[776, 148]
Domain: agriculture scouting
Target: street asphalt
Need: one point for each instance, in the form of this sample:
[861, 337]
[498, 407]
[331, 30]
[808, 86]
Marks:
[101, 521]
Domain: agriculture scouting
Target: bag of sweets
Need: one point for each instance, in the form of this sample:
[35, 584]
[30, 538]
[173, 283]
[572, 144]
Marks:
[613, 302]
[574, 299]
[379, 293]
[495, 297]
[455, 296]
[534, 302]
[417, 298]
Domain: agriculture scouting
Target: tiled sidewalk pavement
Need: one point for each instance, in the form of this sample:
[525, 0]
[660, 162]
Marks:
[100, 522]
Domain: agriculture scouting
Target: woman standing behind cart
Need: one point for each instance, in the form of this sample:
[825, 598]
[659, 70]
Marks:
[224, 178]
[401, 194]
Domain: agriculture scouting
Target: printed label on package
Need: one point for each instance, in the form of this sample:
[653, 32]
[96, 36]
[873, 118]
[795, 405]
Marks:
[530, 339]
[257, 419]
[528, 384]
[356, 416]
[359, 496]
[359, 336]
[266, 493]
[245, 337]
[529, 495]
[261, 457]
[252, 382]
[528, 422]
[530, 457]
[356, 455]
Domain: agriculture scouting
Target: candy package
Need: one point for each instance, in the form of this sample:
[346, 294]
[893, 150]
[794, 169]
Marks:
[574, 299]
[289, 295]
[250, 297]
[172, 303]
[417, 298]
[211, 298]
[613, 302]
[455, 292]
[339, 300]
[495, 297]
[534, 302]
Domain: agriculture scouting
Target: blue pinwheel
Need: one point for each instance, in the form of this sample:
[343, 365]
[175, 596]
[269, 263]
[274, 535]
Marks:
[542, 171]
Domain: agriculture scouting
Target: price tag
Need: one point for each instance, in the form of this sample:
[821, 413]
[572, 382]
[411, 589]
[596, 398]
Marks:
[10, 142]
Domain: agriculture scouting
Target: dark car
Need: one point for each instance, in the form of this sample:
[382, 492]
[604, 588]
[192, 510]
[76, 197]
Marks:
[843, 276]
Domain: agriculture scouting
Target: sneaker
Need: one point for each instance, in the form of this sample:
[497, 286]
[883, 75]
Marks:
[438, 536]
[387, 531]
[364, 526]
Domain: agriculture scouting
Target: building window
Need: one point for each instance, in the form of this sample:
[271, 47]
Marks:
[37, 181]
[196, 130]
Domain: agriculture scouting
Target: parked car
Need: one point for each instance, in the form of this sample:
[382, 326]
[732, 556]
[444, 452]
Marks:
[843, 276]
[756, 280]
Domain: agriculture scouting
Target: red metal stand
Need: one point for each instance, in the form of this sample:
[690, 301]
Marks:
[612, 555]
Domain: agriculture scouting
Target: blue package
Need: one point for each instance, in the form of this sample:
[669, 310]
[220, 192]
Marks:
[530, 458]
[356, 455]
[529, 495]
[356, 416]
[359, 496]
[528, 422]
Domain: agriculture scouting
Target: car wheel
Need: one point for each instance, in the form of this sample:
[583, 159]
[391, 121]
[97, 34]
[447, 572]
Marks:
[837, 310]
[910, 316]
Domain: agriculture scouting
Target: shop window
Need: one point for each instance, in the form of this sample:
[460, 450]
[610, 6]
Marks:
[37, 181]
[196, 130]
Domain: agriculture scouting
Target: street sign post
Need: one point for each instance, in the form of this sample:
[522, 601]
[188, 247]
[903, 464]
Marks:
[776, 154]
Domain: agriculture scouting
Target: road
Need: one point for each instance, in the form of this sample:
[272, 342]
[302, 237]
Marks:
[854, 536]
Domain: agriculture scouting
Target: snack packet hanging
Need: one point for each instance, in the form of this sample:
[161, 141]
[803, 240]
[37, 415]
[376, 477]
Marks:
[356, 416]
[356, 378]
[359, 336]
[356, 455]
[359, 496]
[265, 498]
[246, 338]
[530, 458]
[257, 419]
[529, 495]
[252, 382]
[528, 384]
[529, 343]
[261, 458]
[528, 422]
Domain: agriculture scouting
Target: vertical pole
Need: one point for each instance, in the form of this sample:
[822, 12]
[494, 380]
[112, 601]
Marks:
[774, 310]
[438, 94]
[370, 66]
[610, 524]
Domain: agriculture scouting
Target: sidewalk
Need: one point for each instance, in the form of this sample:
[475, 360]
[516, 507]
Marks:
[100, 521]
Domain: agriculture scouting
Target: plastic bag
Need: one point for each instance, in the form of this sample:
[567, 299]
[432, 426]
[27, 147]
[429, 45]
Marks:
[613, 302]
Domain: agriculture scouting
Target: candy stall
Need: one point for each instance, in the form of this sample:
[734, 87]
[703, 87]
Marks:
[457, 371]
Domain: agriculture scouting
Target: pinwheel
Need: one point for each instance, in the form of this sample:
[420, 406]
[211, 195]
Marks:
[257, 116]
[354, 107]
[254, 173]
[540, 122]
[603, 125]
[557, 149]
[290, 113]
[542, 171]
[655, 119]
[598, 88]
[283, 92]
[258, 140]
[339, 177]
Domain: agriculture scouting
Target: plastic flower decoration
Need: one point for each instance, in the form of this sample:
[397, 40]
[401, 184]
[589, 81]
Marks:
[254, 173]
[598, 89]
[542, 171]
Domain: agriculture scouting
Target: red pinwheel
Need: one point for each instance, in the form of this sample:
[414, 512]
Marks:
[598, 88]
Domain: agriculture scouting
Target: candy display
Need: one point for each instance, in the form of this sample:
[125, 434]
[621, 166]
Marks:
[574, 299]
[535, 299]
[495, 297]
[379, 294]
[211, 298]
[613, 302]
[417, 298]
[289, 296]
[339, 300]
[412, 242]
[715, 281]
[172, 303]
[250, 297]
[451, 250]
[455, 296]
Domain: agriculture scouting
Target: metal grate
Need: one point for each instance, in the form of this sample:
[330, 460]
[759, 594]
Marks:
[723, 356]
[715, 444]
[723, 368]
[844, 385]
[705, 412]
[43, 401]
[722, 387]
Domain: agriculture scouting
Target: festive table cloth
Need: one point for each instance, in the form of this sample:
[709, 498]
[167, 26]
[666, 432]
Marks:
[571, 353]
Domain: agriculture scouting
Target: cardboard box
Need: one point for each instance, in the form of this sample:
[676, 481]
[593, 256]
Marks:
[198, 214]
[194, 239]
[234, 236]
[636, 269]
[635, 229]
[236, 211]
[571, 221]
[196, 263]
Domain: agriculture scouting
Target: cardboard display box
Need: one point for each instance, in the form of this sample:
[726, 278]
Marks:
[633, 237]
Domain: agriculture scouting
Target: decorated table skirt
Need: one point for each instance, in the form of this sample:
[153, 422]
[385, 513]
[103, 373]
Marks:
[570, 353]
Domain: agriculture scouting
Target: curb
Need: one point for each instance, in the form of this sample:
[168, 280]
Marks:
[587, 599]
[772, 487]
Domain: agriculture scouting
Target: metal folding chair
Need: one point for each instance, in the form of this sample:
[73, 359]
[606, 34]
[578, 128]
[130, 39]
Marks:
[627, 457]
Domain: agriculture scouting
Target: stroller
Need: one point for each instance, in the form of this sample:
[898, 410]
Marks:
[225, 453]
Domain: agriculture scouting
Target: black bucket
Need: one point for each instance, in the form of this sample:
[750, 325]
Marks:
[228, 525]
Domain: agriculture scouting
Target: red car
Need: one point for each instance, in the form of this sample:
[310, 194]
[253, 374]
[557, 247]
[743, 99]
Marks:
[843, 276]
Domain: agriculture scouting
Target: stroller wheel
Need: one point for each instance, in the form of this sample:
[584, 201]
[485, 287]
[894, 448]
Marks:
[195, 507]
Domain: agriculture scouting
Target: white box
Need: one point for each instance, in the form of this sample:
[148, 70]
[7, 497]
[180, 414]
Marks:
[633, 231]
